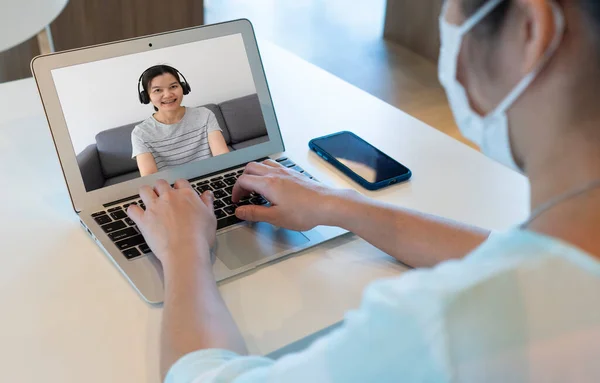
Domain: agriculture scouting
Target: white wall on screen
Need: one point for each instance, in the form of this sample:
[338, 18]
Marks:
[102, 95]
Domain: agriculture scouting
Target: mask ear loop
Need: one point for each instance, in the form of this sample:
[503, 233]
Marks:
[475, 19]
[559, 22]
[485, 10]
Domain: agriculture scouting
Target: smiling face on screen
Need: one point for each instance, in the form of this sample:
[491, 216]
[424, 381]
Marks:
[165, 92]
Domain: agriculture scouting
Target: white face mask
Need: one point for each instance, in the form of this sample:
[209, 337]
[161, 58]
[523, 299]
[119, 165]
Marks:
[489, 132]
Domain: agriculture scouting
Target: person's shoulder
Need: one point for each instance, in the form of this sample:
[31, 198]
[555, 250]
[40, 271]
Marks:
[510, 265]
[200, 111]
[516, 246]
[144, 127]
[516, 283]
[431, 292]
[502, 257]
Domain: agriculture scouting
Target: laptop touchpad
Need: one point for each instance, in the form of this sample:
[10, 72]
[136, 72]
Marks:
[253, 242]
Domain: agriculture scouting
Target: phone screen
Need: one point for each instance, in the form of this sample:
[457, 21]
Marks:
[360, 157]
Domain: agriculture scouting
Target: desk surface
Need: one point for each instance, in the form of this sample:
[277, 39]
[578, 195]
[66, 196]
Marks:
[69, 316]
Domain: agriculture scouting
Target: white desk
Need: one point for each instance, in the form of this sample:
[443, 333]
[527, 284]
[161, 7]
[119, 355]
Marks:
[69, 316]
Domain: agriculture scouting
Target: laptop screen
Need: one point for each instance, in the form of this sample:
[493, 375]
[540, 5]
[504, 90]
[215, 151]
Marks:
[136, 115]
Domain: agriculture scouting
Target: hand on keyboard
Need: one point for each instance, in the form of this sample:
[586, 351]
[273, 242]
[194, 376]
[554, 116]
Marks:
[297, 202]
[177, 222]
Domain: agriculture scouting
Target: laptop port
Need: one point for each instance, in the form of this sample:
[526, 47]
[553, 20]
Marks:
[86, 228]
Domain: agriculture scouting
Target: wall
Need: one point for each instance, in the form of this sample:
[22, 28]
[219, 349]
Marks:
[414, 25]
[89, 22]
[102, 95]
[14, 62]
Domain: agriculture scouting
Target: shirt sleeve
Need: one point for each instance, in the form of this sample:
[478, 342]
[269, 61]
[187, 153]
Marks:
[138, 146]
[493, 317]
[393, 337]
[212, 125]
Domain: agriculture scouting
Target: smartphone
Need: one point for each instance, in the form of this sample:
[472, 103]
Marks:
[359, 160]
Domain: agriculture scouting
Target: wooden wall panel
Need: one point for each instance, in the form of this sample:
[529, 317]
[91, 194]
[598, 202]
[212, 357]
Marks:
[14, 63]
[414, 24]
[89, 22]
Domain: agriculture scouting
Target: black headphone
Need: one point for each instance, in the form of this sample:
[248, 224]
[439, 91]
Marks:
[143, 95]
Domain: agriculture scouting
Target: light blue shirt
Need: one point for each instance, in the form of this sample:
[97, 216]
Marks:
[521, 308]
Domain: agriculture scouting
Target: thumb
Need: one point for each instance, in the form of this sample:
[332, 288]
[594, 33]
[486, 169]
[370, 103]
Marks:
[254, 213]
[135, 213]
[208, 198]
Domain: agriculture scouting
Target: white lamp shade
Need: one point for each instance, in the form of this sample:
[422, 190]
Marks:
[20, 20]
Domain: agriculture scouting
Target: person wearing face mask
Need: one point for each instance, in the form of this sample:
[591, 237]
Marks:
[519, 306]
[174, 135]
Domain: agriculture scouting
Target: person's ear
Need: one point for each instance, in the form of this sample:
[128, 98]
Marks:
[539, 29]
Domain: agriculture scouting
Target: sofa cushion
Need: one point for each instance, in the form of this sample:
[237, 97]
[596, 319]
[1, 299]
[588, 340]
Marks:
[114, 151]
[91, 171]
[254, 141]
[217, 111]
[244, 118]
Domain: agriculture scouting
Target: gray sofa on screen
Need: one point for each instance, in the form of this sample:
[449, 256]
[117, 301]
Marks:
[108, 161]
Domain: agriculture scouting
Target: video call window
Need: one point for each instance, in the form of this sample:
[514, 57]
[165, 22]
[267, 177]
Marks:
[135, 115]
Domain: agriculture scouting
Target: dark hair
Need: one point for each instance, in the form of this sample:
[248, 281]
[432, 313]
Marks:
[493, 22]
[156, 71]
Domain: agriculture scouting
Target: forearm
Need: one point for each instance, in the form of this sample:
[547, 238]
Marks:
[148, 170]
[413, 238]
[146, 164]
[194, 316]
[217, 143]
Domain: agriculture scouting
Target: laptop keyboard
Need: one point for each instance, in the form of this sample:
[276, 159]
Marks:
[127, 237]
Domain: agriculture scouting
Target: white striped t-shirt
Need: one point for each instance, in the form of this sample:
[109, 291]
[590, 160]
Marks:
[175, 144]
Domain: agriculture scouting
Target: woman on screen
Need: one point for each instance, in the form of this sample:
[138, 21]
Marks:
[174, 135]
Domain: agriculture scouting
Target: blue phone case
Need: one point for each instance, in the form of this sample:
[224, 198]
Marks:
[348, 172]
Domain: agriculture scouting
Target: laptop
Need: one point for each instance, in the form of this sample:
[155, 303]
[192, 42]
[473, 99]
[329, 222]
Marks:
[93, 107]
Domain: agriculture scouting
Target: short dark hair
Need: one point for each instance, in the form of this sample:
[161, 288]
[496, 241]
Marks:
[493, 22]
[155, 71]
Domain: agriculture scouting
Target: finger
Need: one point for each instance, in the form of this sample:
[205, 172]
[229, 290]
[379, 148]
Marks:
[208, 198]
[182, 184]
[254, 213]
[254, 168]
[161, 187]
[147, 194]
[247, 184]
[272, 163]
[135, 213]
